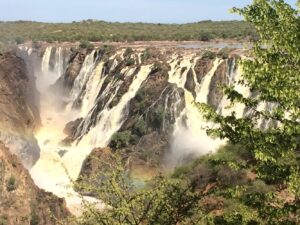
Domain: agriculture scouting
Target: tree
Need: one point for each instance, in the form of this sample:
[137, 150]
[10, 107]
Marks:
[164, 201]
[272, 73]
[11, 184]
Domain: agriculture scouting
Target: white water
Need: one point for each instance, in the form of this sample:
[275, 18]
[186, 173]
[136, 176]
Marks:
[111, 119]
[58, 68]
[189, 136]
[46, 60]
[53, 172]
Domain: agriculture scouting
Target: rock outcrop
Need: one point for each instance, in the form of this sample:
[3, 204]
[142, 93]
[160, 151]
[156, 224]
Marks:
[21, 202]
[19, 115]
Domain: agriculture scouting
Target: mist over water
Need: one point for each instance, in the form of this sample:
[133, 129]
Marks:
[186, 146]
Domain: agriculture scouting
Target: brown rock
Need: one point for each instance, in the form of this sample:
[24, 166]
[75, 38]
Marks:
[202, 67]
[21, 201]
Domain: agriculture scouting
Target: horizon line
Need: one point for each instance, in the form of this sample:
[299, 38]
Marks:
[121, 22]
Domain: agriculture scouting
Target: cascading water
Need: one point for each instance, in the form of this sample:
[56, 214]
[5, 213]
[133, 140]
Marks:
[93, 99]
[58, 164]
[189, 136]
[46, 60]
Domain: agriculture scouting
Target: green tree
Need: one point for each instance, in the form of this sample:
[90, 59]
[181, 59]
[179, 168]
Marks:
[11, 184]
[164, 201]
[272, 73]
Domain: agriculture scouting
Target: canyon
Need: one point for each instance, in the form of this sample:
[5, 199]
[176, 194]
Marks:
[83, 102]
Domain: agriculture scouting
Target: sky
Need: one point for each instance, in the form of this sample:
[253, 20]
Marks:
[157, 11]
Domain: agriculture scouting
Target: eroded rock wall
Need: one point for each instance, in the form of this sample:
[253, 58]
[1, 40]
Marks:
[19, 114]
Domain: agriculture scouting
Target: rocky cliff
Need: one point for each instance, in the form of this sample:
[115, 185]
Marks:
[19, 116]
[21, 201]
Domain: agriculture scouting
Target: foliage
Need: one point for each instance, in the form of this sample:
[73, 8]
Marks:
[128, 52]
[11, 184]
[273, 75]
[140, 127]
[120, 139]
[208, 55]
[3, 220]
[223, 53]
[159, 116]
[34, 219]
[94, 31]
[205, 36]
[130, 62]
[86, 44]
[253, 180]
[147, 54]
[165, 201]
[19, 40]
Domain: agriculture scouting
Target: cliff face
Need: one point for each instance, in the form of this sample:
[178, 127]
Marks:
[19, 115]
[21, 202]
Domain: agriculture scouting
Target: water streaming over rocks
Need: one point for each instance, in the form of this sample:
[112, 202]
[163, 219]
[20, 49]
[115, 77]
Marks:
[96, 102]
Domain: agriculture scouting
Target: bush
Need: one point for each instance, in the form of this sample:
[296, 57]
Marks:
[159, 116]
[223, 53]
[19, 40]
[205, 37]
[11, 184]
[86, 44]
[3, 220]
[120, 139]
[147, 54]
[128, 52]
[34, 220]
[140, 95]
[209, 55]
[130, 62]
[140, 127]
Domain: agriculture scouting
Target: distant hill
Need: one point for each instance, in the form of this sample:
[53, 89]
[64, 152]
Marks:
[91, 30]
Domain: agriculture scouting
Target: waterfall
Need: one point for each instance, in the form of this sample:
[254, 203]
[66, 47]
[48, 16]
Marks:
[58, 164]
[59, 61]
[93, 86]
[100, 97]
[202, 94]
[111, 119]
[46, 60]
[83, 76]
[189, 135]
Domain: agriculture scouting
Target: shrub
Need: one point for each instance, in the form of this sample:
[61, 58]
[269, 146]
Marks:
[11, 184]
[205, 37]
[147, 54]
[159, 116]
[209, 55]
[223, 53]
[34, 220]
[130, 62]
[140, 95]
[120, 139]
[128, 52]
[140, 127]
[19, 40]
[3, 220]
[86, 44]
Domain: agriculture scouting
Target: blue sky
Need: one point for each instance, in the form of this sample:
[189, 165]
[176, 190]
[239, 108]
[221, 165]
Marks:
[164, 11]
